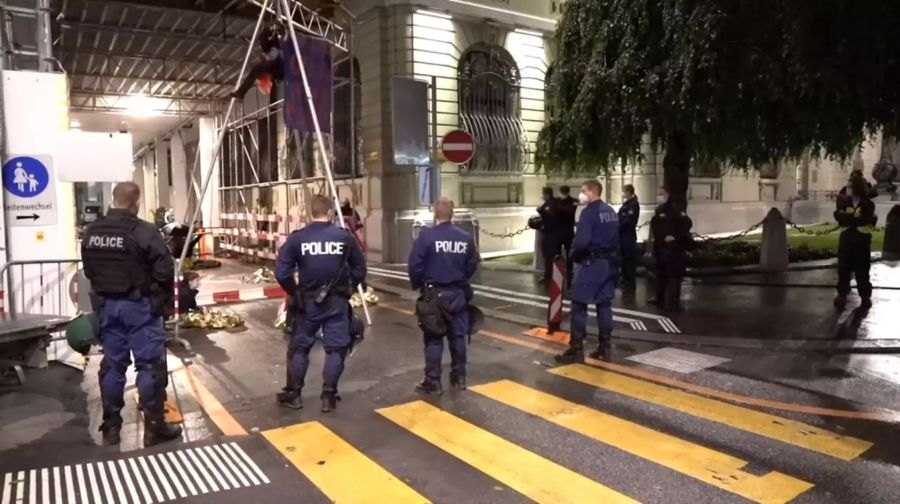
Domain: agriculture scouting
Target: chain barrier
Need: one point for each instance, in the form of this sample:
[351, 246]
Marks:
[708, 239]
[809, 232]
[505, 235]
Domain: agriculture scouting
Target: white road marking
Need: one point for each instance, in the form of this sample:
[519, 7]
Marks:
[249, 461]
[140, 480]
[57, 487]
[244, 469]
[32, 486]
[20, 486]
[165, 481]
[82, 485]
[678, 360]
[525, 297]
[199, 465]
[151, 479]
[223, 469]
[70, 485]
[6, 491]
[231, 464]
[174, 461]
[107, 492]
[92, 480]
[128, 482]
[45, 485]
[117, 484]
[193, 472]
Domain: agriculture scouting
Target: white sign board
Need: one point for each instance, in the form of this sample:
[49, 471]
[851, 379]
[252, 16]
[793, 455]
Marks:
[29, 191]
[93, 157]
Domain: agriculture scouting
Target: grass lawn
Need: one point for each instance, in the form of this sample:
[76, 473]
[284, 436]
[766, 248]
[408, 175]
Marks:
[829, 241]
[519, 259]
[745, 250]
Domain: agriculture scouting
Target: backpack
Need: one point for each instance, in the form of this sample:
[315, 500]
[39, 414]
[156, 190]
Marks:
[432, 313]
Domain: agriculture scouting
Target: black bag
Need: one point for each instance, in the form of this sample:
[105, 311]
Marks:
[433, 314]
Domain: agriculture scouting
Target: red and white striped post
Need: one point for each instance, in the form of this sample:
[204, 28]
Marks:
[554, 308]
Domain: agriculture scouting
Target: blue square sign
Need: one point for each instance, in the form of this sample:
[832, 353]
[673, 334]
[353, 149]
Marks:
[30, 192]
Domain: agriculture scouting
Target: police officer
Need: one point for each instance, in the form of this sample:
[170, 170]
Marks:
[552, 232]
[671, 230]
[629, 213]
[330, 266]
[856, 214]
[595, 253]
[444, 257]
[132, 279]
[568, 208]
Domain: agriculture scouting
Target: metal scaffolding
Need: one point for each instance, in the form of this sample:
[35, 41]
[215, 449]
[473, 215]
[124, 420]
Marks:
[268, 172]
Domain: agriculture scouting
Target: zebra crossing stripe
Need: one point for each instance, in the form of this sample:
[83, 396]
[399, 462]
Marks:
[526, 472]
[780, 429]
[144, 479]
[712, 467]
[187, 481]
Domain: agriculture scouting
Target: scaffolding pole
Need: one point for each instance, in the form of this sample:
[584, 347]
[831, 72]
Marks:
[325, 159]
[212, 162]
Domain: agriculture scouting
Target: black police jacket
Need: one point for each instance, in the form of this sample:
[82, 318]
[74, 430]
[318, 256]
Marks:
[670, 220]
[125, 256]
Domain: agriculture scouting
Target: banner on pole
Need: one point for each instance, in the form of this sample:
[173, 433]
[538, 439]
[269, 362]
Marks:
[316, 55]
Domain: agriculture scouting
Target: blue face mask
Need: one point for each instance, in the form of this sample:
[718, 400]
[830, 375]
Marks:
[661, 199]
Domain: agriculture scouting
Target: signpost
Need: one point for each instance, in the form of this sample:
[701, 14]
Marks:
[29, 191]
[458, 147]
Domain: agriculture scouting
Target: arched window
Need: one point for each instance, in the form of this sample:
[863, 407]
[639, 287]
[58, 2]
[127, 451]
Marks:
[489, 109]
[347, 109]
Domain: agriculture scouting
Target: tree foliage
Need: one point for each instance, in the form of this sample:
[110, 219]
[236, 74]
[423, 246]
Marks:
[741, 81]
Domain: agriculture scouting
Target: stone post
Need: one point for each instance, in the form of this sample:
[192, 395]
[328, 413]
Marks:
[891, 251]
[773, 254]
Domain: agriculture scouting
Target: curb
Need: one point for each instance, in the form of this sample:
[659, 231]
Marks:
[625, 335]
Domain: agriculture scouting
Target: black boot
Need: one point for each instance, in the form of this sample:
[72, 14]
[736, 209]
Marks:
[290, 398]
[158, 431]
[865, 303]
[111, 429]
[573, 354]
[427, 386]
[458, 382]
[329, 402]
[603, 349]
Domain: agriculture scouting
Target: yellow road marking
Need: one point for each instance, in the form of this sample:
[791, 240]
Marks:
[530, 474]
[770, 426]
[712, 467]
[173, 414]
[213, 408]
[340, 471]
[881, 415]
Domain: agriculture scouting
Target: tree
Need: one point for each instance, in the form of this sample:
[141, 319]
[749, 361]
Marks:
[745, 82]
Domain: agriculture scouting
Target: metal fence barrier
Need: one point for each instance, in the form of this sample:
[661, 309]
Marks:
[43, 287]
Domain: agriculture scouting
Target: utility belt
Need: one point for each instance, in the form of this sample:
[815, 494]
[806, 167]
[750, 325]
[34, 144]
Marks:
[466, 287]
[612, 256]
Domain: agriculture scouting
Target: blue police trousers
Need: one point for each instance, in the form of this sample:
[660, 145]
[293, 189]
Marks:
[595, 283]
[333, 317]
[456, 338]
[127, 327]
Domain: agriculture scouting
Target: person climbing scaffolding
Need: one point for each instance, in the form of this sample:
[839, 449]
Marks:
[268, 71]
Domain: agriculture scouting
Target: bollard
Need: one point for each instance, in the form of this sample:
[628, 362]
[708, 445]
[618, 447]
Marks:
[773, 253]
[554, 307]
[891, 250]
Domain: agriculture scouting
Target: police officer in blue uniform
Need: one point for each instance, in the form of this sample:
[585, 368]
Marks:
[444, 257]
[629, 213]
[132, 279]
[595, 251]
[330, 265]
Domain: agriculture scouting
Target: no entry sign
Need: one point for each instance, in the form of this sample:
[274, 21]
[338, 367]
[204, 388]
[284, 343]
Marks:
[458, 147]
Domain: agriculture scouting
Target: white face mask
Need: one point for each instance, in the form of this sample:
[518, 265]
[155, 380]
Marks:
[583, 198]
[661, 199]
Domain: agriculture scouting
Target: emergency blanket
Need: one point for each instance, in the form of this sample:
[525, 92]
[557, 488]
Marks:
[262, 275]
[212, 319]
[371, 298]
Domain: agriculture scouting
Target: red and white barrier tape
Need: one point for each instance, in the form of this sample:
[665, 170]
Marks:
[555, 305]
[253, 294]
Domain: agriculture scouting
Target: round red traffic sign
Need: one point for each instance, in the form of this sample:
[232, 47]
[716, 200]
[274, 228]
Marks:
[73, 286]
[458, 147]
